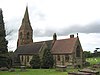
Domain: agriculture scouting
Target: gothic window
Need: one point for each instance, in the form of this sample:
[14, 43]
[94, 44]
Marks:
[27, 58]
[66, 58]
[22, 58]
[28, 35]
[20, 35]
[58, 57]
[78, 51]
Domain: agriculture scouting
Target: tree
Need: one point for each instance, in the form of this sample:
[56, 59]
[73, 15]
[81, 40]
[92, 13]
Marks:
[47, 60]
[3, 41]
[35, 62]
[87, 54]
[4, 58]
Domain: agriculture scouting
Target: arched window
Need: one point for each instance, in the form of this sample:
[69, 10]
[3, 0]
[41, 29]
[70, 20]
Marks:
[27, 58]
[28, 34]
[66, 58]
[78, 51]
[20, 35]
[22, 58]
[58, 57]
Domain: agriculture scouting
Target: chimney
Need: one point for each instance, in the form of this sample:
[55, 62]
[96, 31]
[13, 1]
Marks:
[72, 36]
[54, 37]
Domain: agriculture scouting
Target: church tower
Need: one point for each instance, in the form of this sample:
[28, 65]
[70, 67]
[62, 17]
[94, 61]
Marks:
[25, 32]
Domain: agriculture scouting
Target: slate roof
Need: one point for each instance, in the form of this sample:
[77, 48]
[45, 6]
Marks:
[32, 48]
[29, 48]
[64, 46]
[49, 43]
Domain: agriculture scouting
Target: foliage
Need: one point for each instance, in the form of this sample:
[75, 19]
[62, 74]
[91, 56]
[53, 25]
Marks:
[47, 60]
[4, 57]
[5, 60]
[87, 64]
[87, 54]
[3, 41]
[35, 62]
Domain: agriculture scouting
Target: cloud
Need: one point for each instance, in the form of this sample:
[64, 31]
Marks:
[91, 28]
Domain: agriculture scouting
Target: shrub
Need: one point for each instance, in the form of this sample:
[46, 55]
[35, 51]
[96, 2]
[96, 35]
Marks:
[47, 60]
[35, 62]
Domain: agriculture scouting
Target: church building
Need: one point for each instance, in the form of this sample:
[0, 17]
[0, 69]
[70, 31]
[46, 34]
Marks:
[65, 51]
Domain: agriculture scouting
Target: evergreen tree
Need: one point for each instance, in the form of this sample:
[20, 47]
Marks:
[4, 59]
[3, 41]
[47, 60]
[35, 62]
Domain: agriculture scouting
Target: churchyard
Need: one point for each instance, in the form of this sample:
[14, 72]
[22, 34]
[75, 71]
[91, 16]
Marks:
[50, 71]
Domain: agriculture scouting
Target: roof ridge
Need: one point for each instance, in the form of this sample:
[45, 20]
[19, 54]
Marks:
[67, 39]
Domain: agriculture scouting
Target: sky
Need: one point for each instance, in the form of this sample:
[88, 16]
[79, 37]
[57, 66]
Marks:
[64, 17]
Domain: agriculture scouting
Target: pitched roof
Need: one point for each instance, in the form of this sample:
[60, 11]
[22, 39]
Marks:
[29, 48]
[32, 48]
[64, 46]
[49, 43]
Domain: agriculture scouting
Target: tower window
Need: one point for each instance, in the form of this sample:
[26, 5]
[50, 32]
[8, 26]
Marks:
[28, 35]
[78, 51]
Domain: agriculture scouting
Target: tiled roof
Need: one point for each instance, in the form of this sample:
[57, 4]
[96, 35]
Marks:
[29, 48]
[64, 46]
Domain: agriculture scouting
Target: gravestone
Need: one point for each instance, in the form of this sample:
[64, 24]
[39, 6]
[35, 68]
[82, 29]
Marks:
[60, 68]
[78, 73]
[22, 68]
[93, 72]
[12, 70]
[3, 69]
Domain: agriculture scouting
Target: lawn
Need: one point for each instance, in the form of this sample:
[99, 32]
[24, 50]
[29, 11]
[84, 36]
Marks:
[37, 72]
[93, 60]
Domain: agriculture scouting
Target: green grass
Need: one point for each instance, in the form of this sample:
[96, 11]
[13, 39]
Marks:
[37, 72]
[93, 60]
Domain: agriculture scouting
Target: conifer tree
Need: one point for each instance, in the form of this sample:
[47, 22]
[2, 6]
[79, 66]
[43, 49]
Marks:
[47, 60]
[4, 59]
[35, 62]
[3, 41]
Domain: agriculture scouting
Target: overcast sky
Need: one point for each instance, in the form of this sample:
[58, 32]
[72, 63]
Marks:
[64, 17]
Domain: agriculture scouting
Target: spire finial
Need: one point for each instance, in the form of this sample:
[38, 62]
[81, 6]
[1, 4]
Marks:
[27, 5]
[26, 15]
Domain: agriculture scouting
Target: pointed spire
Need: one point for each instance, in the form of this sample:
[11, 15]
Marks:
[26, 22]
[26, 15]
